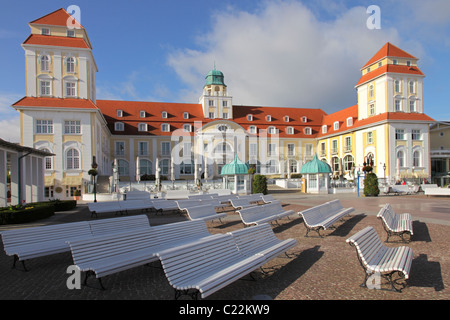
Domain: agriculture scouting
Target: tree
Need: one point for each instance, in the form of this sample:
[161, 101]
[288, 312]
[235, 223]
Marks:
[371, 185]
[260, 184]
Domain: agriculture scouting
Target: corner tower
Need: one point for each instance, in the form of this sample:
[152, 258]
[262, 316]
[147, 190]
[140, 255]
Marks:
[59, 59]
[215, 101]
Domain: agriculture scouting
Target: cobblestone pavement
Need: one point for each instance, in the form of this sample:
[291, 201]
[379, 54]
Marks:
[317, 268]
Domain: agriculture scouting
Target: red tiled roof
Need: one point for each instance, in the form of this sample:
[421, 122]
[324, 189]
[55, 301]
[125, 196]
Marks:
[352, 111]
[388, 50]
[57, 18]
[56, 41]
[314, 119]
[131, 116]
[55, 103]
[393, 68]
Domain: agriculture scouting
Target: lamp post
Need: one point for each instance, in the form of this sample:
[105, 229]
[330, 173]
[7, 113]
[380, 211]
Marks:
[384, 170]
[93, 173]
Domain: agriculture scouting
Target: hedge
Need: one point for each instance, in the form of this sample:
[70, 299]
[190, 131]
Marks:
[33, 211]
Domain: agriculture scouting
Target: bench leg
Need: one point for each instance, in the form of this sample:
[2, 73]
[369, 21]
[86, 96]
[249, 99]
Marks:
[16, 258]
[91, 273]
[193, 294]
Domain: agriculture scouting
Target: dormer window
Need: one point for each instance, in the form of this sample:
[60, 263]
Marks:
[336, 125]
[250, 117]
[272, 130]
[45, 31]
[71, 33]
[304, 119]
[286, 118]
[289, 130]
[324, 128]
[119, 126]
[308, 131]
[165, 127]
[187, 128]
[408, 63]
[185, 115]
[142, 114]
[252, 129]
[394, 61]
[269, 118]
[164, 114]
[349, 122]
[142, 127]
[119, 113]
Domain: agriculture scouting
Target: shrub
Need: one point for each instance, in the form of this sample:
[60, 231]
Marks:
[371, 185]
[259, 184]
[28, 213]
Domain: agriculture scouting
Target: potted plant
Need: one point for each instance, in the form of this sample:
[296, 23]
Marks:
[76, 194]
[371, 185]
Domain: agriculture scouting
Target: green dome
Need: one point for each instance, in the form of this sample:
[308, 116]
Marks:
[235, 167]
[315, 166]
[215, 77]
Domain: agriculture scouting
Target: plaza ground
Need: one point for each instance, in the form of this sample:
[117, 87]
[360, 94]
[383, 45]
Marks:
[316, 269]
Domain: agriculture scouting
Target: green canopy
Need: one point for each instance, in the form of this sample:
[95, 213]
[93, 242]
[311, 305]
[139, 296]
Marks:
[235, 167]
[315, 166]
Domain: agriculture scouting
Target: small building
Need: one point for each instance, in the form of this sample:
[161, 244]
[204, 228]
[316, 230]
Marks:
[317, 174]
[236, 177]
[21, 173]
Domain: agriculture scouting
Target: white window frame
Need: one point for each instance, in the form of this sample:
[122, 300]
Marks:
[166, 148]
[45, 63]
[70, 64]
[416, 135]
[369, 137]
[308, 131]
[253, 129]
[165, 127]
[72, 127]
[70, 33]
[324, 128]
[142, 127]
[143, 148]
[119, 126]
[272, 130]
[336, 125]
[286, 118]
[268, 118]
[70, 89]
[185, 115]
[45, 31]
[119, 148]
[119, 113]
[249, 117]
[187, 127]
[73, 161]
[399, 134]
[304, 119]
[290, 130]
[45, 87]
[398, 102]
[349, 121]
[164, 114]
[44, 126]
[291, 149]
[142, 114]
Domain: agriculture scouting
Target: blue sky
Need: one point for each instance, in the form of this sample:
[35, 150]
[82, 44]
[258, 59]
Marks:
[273, 53]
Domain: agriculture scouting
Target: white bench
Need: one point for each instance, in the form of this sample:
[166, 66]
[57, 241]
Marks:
[242, 203]
[119, 225]
[109, 254]
[395, 224]
[161, 205]
[324, 216]
[119, 206]
[267, 198]
[437, 191]
[207, 265]
[204, 212]
[205, 196]
[177, 194]
[263, 213]
[34, 242]
[261, 240]
[379, 260]
[137, 195]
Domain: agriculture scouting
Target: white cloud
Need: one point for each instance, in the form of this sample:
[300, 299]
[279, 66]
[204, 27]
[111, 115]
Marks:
[10, 129]
[283, 55]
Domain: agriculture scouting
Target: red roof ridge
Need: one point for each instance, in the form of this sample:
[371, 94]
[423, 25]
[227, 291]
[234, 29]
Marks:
[388, 50]
[56, 18]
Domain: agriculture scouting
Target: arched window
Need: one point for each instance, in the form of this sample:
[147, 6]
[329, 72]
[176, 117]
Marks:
[72, 159]
[349, 162]
[335, 163]
[417, 159]
[45, 61]
[401, 158]
[124, 168]
[145, 166]
[70, 65]
[222, 148]
[371, 91]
